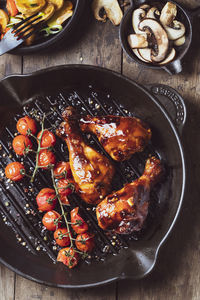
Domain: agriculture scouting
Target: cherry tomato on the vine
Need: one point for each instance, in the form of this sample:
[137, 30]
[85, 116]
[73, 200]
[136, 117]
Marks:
[65, 187]
[46, 158]
[68, 257]
[46, 199]
[78, 223]
[51, 220]
[85, 242]
[48, 138]
[64, 200]
[26, 123]
[20, 142]
[15, 171]
[61, 237]
[62, 170]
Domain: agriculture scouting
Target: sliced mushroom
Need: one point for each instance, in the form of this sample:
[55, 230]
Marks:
[138, 40]
[180, 41]
[136, 52]
[168, 13]
[112, 9]
[145, 54]
[138, 15]
[175, 31]
[169, 58]
[153, 13]
[160, 35]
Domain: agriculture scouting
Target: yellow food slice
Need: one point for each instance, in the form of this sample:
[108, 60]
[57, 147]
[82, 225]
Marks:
[4, 19]
[57, 3]
[46, 13]
[61, 15]
[30, 7]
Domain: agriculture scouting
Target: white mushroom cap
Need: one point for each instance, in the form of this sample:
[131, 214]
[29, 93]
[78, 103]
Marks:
[168, 13]
[145, 54]
[160, 36]
[169, 58]
[153, 13]
[112, 9]
[175, 31]
[138, 15]
[180, 41]
[137, 53]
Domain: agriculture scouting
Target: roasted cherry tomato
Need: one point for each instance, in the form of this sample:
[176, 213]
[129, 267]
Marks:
[68, 257]
[65, 187]
[62, 170]
[85, 242]
[51, 220]
[48, 138]
[26, 123]
[78, 224]
[61, 237]
[46, 199]
[46, 158]
[21, 142]
[64, 200]
[14, 171]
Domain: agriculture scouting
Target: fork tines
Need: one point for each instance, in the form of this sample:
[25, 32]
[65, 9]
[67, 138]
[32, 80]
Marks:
[27, 25]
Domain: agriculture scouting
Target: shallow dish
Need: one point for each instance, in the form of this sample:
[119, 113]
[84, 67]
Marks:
[160, 106]
[55, 40]
[184, 15]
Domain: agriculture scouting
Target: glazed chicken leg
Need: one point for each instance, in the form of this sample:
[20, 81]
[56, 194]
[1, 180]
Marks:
[120, 136]
[125, 211]
[92, 171]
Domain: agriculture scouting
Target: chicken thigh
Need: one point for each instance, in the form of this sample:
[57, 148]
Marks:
[125, 211]
[120, 136]
[92, 171]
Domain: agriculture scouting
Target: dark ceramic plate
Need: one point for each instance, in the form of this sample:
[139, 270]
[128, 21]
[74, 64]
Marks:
[160, 106]
[47, 43]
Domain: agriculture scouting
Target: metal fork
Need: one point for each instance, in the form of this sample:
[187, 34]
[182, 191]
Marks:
[20, 32]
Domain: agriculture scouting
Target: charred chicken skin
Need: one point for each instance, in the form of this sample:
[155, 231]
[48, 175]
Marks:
[92, 171]
[120, 136]
[125, 211]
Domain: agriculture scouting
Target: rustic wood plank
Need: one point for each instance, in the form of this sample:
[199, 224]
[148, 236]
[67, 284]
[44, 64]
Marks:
[7, 279]
[97, 45]
[176, 275]
[10, 64]
[28, 290]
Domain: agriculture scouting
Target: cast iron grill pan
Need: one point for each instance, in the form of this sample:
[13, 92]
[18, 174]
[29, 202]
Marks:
[18, 206]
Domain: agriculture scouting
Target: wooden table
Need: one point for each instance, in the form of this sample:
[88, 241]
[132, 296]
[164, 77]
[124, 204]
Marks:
[177, 273]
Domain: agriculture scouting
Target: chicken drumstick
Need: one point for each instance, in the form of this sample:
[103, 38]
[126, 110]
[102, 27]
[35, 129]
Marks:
[92, 171]
[120, 136]
[125, 211]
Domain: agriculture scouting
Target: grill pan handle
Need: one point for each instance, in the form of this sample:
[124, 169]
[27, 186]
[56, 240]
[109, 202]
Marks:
[172, 102]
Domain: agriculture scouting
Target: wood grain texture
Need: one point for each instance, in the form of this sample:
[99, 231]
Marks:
[28, 290]
[10, 64]
[7, 283]
[98, 45]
